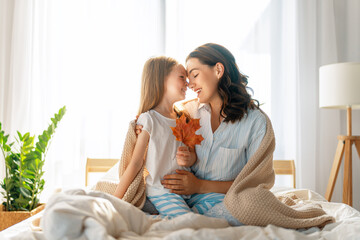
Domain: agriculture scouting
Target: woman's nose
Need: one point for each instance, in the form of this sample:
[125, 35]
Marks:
[191, 84]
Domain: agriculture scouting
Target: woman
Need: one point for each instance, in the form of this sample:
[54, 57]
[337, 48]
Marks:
[232, 126]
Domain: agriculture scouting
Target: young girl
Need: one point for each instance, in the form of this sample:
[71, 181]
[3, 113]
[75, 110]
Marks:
[163, 83]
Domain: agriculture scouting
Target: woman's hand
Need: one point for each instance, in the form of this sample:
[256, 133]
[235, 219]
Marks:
[184, 182]
[138, 129]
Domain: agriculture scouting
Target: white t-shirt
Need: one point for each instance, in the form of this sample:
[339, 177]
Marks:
[161, 154]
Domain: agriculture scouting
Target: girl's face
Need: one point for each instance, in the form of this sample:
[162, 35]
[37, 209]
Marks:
[175, 83]
[203, 80]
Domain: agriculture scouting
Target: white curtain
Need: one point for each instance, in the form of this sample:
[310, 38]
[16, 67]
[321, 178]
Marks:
[88, 55]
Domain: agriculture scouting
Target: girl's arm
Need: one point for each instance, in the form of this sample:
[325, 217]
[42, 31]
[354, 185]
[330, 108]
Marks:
[136, 162]
[186, 183]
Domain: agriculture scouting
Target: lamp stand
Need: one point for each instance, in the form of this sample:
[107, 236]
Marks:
[345, 143]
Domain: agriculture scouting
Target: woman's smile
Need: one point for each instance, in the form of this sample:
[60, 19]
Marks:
[197, 91]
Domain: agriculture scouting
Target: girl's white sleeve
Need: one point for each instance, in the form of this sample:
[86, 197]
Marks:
[146, 121]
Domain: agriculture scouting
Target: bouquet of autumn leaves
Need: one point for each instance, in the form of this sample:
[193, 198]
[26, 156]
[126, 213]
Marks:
[185, 131]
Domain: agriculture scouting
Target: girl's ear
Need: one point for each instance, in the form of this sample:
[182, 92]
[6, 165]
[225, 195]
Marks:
[219, 70]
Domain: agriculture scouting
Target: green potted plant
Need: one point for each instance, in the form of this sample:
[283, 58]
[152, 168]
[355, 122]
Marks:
[23, 180]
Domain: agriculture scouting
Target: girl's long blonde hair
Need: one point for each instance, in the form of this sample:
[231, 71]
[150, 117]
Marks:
[155, 71]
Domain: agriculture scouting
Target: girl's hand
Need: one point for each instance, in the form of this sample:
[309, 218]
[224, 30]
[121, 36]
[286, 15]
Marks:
[186, 156]
[183, 182]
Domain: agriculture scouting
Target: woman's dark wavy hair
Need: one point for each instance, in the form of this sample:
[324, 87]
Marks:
[232, 85]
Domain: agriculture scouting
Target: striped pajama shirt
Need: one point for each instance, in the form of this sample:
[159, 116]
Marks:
[222, 155]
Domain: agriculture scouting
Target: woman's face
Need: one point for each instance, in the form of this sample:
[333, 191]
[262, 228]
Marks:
[175, 83]
[203, 80]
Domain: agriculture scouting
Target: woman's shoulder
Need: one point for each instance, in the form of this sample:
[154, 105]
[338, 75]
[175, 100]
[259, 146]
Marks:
[256, 117]
[253, 117]
[256, 114]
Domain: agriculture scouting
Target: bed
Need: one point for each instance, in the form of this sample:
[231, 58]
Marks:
[116, 219]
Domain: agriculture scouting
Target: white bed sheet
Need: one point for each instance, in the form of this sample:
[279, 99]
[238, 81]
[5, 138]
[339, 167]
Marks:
[347, 226]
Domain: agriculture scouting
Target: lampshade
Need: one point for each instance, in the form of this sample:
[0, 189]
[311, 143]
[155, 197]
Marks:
[339, 85]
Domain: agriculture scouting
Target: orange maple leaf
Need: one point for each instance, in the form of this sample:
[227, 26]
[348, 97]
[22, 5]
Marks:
[185, 132]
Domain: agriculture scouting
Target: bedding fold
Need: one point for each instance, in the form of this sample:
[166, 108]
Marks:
[93, 215]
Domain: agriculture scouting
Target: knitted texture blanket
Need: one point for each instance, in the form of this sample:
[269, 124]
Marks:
[135, 193]
[250, 200]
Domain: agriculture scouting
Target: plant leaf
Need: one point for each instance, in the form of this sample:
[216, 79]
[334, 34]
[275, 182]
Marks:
[27, 180]
[26, 136]
[26, 193]
[40, 146]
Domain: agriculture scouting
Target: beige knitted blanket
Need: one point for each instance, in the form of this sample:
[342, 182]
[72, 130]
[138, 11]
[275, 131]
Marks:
[249, 198]
[135, 193]
[251, 202]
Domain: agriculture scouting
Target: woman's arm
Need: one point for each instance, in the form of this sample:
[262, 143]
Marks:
[186, 183]
[207, 186]
[134, 166]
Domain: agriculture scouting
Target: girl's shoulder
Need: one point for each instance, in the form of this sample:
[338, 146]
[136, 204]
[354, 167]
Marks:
[146, 120]
[155, 117]
[150, 114]
[145, 114]
[145, 117]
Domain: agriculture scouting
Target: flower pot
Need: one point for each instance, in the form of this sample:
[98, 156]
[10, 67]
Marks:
[9, 218]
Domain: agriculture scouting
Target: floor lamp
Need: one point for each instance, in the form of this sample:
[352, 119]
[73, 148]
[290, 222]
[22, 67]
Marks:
[339, 88]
